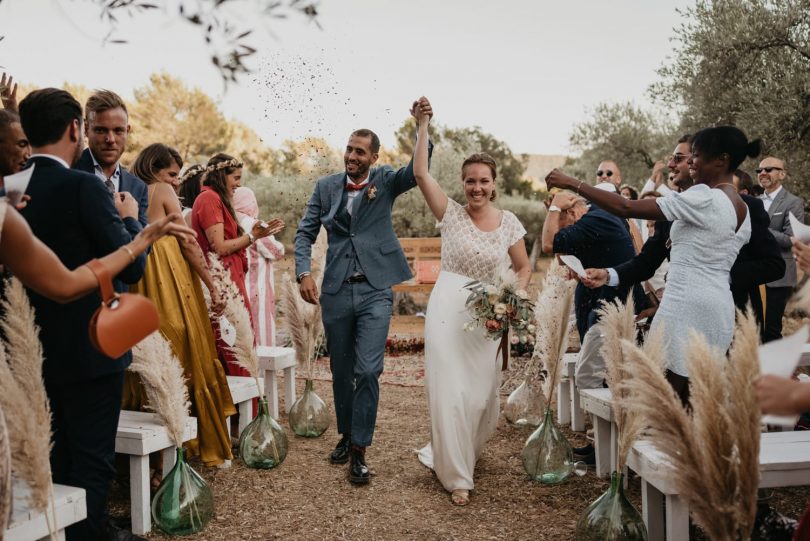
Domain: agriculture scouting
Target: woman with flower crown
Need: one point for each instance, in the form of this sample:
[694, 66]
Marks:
[461, 367]
[172, 281]
[214, 220]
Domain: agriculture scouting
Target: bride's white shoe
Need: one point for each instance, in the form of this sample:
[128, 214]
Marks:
[460, 497]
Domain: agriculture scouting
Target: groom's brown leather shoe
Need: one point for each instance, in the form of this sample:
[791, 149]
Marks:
[341, 453]
[358, 471]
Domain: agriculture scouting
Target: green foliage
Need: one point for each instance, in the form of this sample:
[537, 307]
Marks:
[745, 63]
[634, 138]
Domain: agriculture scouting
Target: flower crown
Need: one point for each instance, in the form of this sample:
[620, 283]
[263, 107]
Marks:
[194, 170]
[232, 163]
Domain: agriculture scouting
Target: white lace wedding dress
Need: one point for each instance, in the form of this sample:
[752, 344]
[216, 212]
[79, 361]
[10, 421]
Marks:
[461, 369]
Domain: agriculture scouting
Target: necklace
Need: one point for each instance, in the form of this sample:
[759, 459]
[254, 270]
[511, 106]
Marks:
[725, 184]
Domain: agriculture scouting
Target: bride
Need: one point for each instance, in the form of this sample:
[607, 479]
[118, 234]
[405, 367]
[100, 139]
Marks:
[461, 369]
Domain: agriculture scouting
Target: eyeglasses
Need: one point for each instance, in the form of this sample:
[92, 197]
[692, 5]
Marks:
[767, 169]
[678, 158]
[604, 173]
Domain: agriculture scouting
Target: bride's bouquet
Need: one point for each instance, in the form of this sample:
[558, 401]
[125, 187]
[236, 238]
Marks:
[499, 307]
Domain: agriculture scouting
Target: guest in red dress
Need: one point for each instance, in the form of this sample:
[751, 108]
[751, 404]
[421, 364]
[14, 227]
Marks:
[214, 221]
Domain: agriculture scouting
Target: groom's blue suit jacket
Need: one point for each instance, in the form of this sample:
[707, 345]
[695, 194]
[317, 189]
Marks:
[370, 234]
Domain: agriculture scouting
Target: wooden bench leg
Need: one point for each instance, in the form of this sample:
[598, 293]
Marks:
[652, 511]
[289, 388]
[139, 494]
[677, 514]
[577, 415]
[60, 535]
[563, 403]
[245, 414]
[601, 440]
[271, 392]
[169, 459]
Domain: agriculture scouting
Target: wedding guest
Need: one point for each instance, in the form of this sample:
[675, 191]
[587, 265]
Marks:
[743, 182]
[172, 281]
[779, 203]
[628, 192]
[75, 216]
[191, 182]
[14, 147]
[608, 171]
[259, 279]
[461, 369]
[107, 128]
[218, 231]
[711, 224]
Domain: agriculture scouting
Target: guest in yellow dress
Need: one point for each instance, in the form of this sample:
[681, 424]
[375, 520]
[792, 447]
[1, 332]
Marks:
[171, 282]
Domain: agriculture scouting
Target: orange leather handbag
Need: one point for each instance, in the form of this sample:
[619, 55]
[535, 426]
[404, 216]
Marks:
[122, 320]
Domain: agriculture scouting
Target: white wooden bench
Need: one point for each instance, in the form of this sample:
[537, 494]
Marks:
[598, 402]
[784, 460]
[271, 360]
[243, 391]
[568, 401]
[139, 434]
[29, 525]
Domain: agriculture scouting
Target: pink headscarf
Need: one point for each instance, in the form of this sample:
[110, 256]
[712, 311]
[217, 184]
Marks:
[244, 201]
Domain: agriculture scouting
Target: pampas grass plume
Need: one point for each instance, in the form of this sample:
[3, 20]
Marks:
[164, 383]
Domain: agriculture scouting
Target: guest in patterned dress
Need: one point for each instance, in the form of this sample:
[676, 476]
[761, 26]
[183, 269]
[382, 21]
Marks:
[259, 283]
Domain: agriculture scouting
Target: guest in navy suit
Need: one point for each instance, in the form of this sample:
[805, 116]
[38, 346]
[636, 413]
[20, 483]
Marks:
[75, 215]
[107, 127]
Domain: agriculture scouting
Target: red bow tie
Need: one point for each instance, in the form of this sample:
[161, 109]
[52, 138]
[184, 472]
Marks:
[352, 187]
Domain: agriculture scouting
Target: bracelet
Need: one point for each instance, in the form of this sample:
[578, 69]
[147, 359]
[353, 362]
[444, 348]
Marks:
[578, 187]
[130, 252]
[251, 238]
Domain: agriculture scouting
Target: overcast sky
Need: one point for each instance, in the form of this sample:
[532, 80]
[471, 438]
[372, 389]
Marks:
[524, 70]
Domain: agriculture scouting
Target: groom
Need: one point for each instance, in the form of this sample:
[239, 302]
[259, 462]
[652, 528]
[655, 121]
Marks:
[363, 261]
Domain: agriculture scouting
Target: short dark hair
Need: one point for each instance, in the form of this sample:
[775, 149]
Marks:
[45, 114]
[375, 141]
[685, 138]
[714, 142]
[153, 159]
[746, 182]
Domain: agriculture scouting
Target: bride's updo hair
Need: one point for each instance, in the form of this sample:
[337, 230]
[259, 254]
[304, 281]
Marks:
[714, 142]
[486, 159]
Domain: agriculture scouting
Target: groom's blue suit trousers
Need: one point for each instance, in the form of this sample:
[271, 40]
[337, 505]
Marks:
[356, 320]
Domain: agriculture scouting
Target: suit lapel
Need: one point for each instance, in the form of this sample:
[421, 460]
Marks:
[776, 206]
[360, 206]
[335, 193]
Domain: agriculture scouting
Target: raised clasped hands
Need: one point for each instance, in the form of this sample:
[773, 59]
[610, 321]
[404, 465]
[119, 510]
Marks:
[564, 200]
[595, 278]
[421, 110]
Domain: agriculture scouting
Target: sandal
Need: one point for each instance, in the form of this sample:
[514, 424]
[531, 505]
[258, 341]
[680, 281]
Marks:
[460, 497]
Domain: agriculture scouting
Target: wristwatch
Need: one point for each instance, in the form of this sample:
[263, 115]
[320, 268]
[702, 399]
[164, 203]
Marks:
[554, 208]
[251, 238]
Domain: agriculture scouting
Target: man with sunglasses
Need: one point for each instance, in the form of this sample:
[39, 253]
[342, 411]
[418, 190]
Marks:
[608, 171]
[778, 203]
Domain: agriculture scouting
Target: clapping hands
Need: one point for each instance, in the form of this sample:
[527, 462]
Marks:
[421, 110]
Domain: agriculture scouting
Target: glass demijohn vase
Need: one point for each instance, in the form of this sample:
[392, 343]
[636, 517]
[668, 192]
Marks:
[309, 417]
[183, 503]
[611, 517]
[547, 455]
[263, 443]
[525, 405]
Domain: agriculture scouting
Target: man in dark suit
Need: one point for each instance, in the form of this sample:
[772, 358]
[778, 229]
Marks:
[758, 262]
[77, 217]
[107, 128]
[778, 202]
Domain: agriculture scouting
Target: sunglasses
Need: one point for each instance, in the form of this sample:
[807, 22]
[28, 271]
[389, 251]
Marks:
[767, 169]
[678, 158]
[604, 173]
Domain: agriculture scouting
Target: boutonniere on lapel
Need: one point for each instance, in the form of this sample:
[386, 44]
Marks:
[371, 193]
